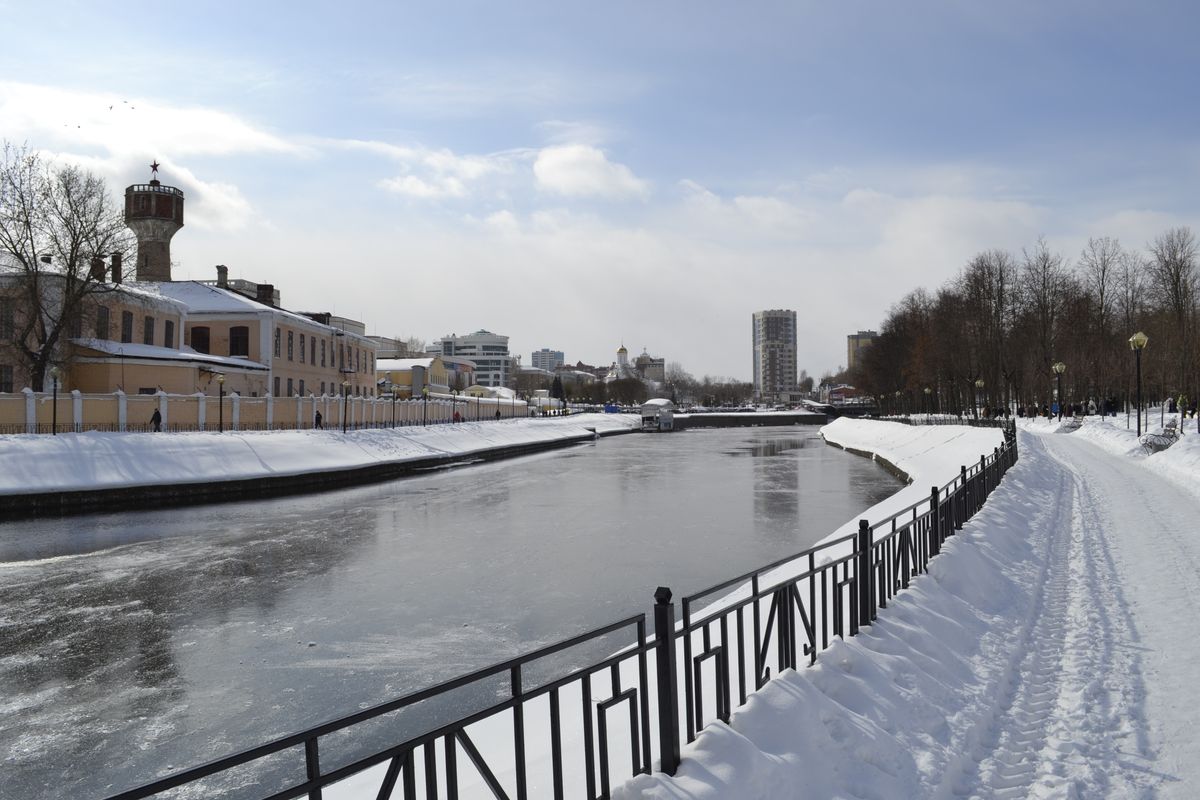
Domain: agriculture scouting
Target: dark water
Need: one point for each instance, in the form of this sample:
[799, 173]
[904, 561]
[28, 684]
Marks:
[137, 641]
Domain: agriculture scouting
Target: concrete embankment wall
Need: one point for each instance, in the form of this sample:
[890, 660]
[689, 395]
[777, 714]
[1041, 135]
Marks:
[20, 505]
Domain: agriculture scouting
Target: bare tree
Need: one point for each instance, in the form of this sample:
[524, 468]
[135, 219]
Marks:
[54, 222]
[1172, 273]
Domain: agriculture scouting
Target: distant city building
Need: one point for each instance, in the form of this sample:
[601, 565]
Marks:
[774, 338]
[650, 368]
[548, 359]
[489, 352]
[855, 344]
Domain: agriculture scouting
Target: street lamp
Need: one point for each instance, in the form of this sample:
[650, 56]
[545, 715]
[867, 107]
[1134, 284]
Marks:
[978, 391]
[425, 406]
[928, 403]
[1137, 343]
[454, 406]
[1058, 369]
[393, 406]
[54, 373]
[345, 403]
[220, 402]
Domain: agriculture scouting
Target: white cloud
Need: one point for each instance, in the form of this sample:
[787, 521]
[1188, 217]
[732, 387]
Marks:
[102, 121]
[580, 170]
[428, 173]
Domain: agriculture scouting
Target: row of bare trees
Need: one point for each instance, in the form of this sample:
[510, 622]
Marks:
[1007, 318]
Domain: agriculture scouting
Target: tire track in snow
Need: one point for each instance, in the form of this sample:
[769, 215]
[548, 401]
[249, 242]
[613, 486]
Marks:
[1154, 552]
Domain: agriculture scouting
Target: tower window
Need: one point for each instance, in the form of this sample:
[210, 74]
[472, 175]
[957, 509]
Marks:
[291, 348]
[126, 326]
[302, 350]
[169, 333]
[278, 338]
[148, 331]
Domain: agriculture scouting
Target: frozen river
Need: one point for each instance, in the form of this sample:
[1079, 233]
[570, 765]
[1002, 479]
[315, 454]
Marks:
[134, 641]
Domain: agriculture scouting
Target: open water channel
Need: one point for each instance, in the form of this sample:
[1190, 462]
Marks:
[134, 642]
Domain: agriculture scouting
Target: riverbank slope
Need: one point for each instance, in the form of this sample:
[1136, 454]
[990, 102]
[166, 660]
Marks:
[83, 471]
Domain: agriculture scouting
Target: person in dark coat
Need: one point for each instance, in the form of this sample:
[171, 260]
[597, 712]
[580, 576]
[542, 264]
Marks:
[156, 421]
[317, 420]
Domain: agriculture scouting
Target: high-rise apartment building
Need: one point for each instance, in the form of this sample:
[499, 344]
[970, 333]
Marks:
[774, 354]
[548, 359]
[488, 350]
[855, 344]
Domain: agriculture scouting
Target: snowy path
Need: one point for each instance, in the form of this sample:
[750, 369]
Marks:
[1142, 540]
[1052, 652]
[1068, 721]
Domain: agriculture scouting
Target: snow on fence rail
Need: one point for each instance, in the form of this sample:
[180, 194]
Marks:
[32, 412]
[560, 719]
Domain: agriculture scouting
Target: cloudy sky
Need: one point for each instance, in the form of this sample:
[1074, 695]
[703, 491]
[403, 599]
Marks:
[578, 175]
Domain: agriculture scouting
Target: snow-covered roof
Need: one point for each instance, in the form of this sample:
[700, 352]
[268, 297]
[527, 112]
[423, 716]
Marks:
[658, 402]
[201, 298]
[401, 364]
[153, 352]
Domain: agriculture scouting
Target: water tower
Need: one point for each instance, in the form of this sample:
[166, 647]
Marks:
[155, 213]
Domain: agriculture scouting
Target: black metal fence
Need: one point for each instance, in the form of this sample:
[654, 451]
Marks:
[592, 726]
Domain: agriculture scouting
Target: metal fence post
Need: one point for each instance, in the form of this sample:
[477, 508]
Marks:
[960, 515]
[668, 690]
[935, 527]
[865, 573]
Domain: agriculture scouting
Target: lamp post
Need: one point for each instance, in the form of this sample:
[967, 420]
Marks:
[1058, 369]
[54, 373]
[345, 403]
[220, 402]
[425, 405]
[928, 400]
[1138, 343]
[454, 405]
[393, 406]
[978, 391]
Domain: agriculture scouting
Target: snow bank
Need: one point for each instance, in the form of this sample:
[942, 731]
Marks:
[98, 460]
[930, 455]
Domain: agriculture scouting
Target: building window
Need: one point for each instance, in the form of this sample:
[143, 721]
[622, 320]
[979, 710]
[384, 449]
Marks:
[322, 354]
[291, 345]
[322, 384]
[74, 325]
[101, 322]
[312, 350]
[358, 360]
[6, 378]
[276, 386]
[239, 340]
[126, 326]
[169, 334]
[302, 351]
[200, 339]
[289, 394]
[277, 340]
[148, 331]
[302, 387]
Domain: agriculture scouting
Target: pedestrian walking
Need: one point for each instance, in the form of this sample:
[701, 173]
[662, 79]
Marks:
[156, 421]
[317, 417]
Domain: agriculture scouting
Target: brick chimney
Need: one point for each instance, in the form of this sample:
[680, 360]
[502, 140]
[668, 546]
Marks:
[266, 294]
[96, 273]
[222, 276]
[116, 267]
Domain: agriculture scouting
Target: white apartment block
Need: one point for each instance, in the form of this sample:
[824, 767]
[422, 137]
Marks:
[774, 336]
[548, 359]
